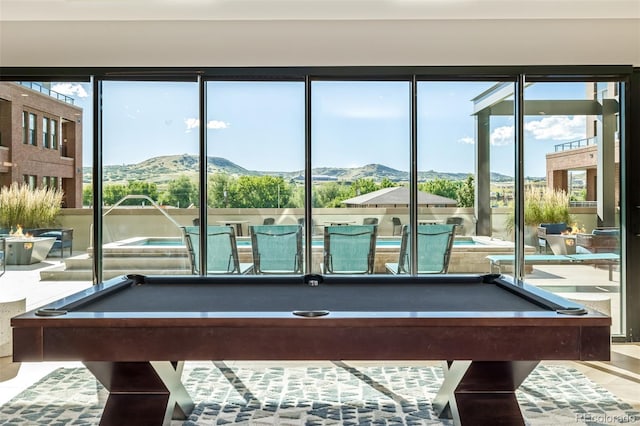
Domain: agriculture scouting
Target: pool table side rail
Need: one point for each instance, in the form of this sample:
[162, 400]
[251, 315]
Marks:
[299, 342]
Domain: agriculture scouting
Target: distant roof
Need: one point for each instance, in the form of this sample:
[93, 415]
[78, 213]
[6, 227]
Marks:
[397, 196]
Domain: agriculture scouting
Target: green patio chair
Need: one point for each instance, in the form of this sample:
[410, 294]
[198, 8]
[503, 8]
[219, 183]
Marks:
[222, 252]
[349, 249]
[277, 249]
[434, 250]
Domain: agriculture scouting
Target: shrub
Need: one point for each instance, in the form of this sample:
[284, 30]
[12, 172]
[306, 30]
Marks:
[30, 208]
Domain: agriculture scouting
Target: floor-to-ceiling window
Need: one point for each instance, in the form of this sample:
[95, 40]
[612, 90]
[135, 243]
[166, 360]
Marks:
[150, 163]
[572, 188]
[46, 166]
[465, 166]
[360, 138]
[255, 142]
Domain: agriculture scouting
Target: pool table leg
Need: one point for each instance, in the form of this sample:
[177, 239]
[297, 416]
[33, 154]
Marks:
[142, 393]
[482, 392]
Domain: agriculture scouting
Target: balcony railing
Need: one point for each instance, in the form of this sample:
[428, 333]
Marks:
[580, 143]
[40, 88]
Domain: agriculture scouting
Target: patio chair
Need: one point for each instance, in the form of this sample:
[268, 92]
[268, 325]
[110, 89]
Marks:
[222, 252]
[397, 226]
[277, 249]
[434, 250]
[349, 249]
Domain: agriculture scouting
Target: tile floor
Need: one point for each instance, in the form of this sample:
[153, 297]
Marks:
[621, 375]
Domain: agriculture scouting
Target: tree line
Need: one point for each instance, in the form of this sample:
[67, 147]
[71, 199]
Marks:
[224, 190]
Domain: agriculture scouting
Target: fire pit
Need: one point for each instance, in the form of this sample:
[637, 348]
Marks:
[24, 249]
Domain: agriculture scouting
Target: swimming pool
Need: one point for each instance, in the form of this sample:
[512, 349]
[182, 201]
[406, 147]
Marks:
[469, 254]
[178, 242]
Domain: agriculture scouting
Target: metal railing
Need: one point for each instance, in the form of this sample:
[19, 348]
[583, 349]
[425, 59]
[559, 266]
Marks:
[583, 204]
[579, 143]
[42, 89]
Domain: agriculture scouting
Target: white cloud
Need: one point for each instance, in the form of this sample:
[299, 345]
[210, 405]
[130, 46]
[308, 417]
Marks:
[70, 89]
[193, 123]
[558, 128]
[467, 140]
[553, 128]
[502, 136]
[217, 124]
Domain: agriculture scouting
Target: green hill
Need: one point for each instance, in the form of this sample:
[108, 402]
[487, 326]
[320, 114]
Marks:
[166, 168]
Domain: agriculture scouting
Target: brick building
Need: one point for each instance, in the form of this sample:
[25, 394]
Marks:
[41, 139]
[597, 156]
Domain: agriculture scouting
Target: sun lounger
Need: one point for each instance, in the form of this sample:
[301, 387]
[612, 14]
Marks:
[609, 259]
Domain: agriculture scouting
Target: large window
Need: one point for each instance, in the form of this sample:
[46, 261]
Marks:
[572, 162]
[317, 156]
[255, 171]
[360, 138]
[465, 170]
[150, 168]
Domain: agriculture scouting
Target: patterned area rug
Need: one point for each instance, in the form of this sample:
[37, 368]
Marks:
[338, 394]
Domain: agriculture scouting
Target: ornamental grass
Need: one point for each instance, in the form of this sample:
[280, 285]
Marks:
[543, 205]
[29, 208]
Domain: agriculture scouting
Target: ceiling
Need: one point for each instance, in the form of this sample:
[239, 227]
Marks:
[264, 10]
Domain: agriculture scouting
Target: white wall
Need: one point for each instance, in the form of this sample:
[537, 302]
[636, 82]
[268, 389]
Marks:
[614, 41]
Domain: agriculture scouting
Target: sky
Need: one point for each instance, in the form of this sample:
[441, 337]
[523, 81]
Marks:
[260, 125]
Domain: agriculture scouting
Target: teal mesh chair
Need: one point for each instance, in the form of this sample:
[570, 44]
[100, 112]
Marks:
[277, 249]
[349, 249]
[434, 250]
[222, 252]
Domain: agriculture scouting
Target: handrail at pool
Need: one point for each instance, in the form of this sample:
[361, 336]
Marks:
[142, 197]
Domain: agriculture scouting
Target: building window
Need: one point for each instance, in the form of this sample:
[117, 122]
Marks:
[50, 182]
[54, 134]
[45, 132]
[31, 134]
[30, 181]
[25, 128]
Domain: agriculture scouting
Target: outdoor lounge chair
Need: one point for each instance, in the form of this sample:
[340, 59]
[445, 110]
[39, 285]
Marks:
[277, 249]
[222, 252]
[434, 250]
[349, 249]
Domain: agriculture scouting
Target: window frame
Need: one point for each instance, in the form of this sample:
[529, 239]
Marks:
[630, 105]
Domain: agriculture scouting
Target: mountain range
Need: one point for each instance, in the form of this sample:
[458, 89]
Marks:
[163, 169]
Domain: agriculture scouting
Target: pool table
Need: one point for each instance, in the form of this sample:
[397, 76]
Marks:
[134, 332]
